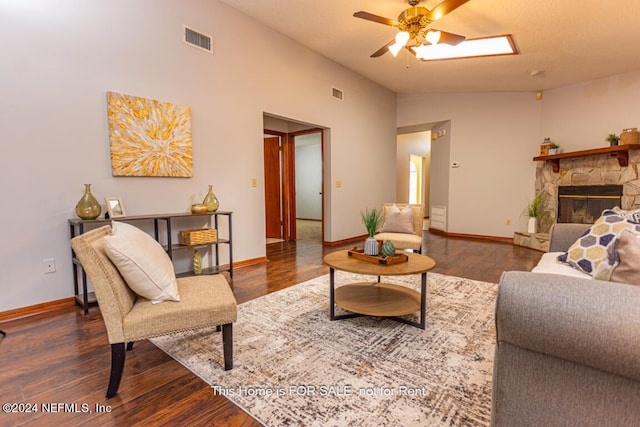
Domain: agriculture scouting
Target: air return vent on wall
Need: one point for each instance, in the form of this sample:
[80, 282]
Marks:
[198, 40]
[337, 93]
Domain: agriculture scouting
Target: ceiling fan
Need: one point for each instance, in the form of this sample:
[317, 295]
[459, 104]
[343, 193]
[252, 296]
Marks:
[413, 25]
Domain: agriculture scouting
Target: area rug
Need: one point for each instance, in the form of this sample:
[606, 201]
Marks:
[295, 367]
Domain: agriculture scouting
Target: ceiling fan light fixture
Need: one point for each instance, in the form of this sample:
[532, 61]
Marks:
[433, 37]
[402, 38]
[486, 46]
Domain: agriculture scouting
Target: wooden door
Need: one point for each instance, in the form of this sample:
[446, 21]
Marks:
[272, 186]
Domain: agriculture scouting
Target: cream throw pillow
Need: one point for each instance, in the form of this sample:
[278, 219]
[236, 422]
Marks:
[142, 262]
[398, 221]
[627, 269]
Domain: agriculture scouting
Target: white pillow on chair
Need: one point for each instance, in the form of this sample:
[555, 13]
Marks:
[398, 221]
[142, 262]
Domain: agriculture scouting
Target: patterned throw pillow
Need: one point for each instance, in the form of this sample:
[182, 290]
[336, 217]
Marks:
[633, 216]
[593, 248]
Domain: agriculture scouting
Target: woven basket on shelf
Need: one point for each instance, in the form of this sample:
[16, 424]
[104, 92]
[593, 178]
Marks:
[198, 236]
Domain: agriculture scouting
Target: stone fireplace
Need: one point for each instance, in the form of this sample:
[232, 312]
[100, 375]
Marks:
[602, 172]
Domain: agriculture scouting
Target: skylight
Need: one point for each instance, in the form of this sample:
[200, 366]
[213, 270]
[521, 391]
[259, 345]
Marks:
[485, 46]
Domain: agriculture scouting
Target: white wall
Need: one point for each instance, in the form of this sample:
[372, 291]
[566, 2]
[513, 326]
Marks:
[54, 78]
[580, 117]
[493, 136]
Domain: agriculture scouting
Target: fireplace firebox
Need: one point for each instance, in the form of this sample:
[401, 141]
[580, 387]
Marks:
[584, 203]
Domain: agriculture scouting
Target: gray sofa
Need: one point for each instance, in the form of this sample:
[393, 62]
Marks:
[568, 348]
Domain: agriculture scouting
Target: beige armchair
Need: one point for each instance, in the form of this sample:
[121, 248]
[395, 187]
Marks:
[204, 301]
[403, 236]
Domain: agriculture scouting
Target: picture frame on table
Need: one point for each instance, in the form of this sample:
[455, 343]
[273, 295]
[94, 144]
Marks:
[115, 207]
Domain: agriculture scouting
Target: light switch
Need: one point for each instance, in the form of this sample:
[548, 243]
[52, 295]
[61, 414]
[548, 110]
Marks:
[254, 182]
[338, 184]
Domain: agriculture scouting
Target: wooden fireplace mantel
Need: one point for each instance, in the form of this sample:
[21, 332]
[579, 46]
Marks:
[619, 151]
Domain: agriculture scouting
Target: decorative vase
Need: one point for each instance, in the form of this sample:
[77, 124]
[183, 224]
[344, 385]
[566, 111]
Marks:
[211, 201]
[371, 246]
[88, 207]
[533, 225]
[197, 262]
[388, 249]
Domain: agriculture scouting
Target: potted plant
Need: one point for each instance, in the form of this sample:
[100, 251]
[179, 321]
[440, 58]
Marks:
[554, 149]
[613, 139]
[534, 209]
[371, 219]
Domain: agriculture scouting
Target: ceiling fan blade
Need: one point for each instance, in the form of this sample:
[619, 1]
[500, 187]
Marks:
[449, 38]
[375, 18]
[443, 8]
[384, 49]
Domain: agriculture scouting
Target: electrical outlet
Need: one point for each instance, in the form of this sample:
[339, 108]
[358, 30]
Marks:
[49, 265]
[508, 221]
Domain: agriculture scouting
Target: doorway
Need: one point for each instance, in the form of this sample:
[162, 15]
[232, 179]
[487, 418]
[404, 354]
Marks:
[413, 168]
[290, 189]
[308, 176]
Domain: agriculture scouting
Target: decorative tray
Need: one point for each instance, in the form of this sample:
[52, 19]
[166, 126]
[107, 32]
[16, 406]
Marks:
[382, 260]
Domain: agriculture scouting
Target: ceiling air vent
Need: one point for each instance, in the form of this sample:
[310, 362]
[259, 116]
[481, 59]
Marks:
[337, 93]
[198, 40]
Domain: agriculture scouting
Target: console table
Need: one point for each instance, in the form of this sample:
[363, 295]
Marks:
[78, 226]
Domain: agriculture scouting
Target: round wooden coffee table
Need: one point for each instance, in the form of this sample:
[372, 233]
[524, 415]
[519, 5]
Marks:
[376, 298]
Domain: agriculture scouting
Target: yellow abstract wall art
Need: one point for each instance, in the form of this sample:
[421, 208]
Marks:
[149, 137]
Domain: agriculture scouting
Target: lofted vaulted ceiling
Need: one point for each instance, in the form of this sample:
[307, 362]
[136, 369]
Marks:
[563, 41]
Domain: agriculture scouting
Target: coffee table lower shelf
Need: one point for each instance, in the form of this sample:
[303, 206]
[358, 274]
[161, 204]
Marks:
[379, 300]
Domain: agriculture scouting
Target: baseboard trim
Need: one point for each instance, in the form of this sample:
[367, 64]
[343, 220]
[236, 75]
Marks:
[248, 262]
[32, 310]
[45, 307]
[357, 239]
[472, 236]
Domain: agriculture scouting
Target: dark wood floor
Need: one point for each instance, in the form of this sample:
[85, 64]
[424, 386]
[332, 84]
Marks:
[64, 357]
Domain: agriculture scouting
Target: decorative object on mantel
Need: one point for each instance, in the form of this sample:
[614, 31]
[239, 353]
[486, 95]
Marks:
[88, 206]
[198, 208]
[554, 149]
[629, 136]
[211, 201]
[533, 212]
[613, 139]
[149, 137]
[371, 219]
[545, 147]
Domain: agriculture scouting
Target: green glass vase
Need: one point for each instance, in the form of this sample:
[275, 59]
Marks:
[211, 201]
[197, 262]
[88, 207]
